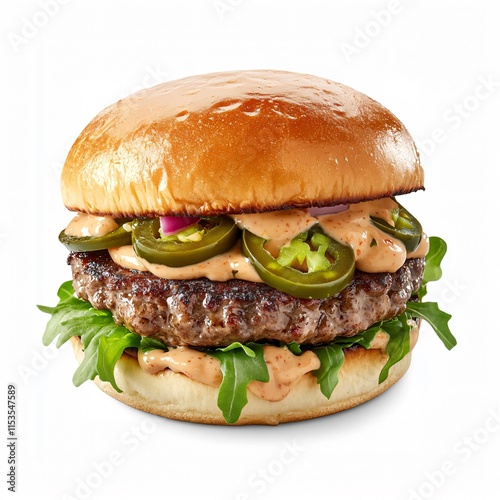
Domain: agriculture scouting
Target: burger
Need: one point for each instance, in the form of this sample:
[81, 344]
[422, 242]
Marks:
[240, 253]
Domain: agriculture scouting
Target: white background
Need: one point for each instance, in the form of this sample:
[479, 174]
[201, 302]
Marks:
[436, 434]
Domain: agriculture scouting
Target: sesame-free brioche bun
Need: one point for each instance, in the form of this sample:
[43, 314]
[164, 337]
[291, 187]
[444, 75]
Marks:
[176, 396]
[241, 141]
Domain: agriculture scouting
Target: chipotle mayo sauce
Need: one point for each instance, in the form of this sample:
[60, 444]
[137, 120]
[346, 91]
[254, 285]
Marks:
[90, 225]
[285, 368]
[192, 363]
[223, 267]
[375, 251]
[283, 225]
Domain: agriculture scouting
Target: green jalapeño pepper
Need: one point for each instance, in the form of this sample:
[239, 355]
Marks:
[218, 238]
[406, 228]
[116, 238]
[315, 284]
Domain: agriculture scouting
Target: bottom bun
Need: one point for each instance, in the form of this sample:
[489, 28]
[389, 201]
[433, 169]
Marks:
[176, 396]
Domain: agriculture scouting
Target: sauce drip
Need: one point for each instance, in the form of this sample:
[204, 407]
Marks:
[223, 267]
[374, 250]
[90, 225]
[285, 368]
[283, 225]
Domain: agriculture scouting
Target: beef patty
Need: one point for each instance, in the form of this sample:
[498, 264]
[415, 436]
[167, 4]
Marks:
[201, 312]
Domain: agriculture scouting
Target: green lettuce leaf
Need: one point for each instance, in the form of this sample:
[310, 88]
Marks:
[437, 319]
[103, 340]
[110, 349]
[398, 345]
[331, 358]
[149, 344]
[238, 368]
[68, 307]
[238, 345]
[437, 250]
[432, 271]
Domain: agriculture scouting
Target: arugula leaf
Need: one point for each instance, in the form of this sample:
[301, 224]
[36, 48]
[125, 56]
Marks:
[149, 344]
[110, 349]
[294, 348]
[238, 345]
[103, 340]
[437, 250]
[66, 291]
[238, 370]
[437, 319]
[432, 270]
[398, 345]
[88, 367]
[331, 358]
[64, 311]
[364, 339]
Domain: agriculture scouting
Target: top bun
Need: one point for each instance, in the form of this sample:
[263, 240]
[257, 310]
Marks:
[241, 141]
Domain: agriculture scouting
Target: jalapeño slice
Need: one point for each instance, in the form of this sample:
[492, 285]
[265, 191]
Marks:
[306, 285]
[406, 227]
[116, 238]
[218, 238]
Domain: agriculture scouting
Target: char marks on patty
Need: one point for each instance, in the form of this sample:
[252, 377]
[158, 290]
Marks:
[203, 313]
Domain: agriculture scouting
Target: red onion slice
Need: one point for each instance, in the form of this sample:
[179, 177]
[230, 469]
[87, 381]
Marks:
[170, 224]
[314, 211]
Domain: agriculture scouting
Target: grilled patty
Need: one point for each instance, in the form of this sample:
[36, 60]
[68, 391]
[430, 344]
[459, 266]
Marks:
[201, 312]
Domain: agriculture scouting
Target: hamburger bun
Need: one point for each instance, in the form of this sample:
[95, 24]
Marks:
[176, 396]
[236, 142]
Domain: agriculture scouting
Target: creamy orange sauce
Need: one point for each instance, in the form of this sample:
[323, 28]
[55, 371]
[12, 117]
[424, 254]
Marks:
[192, 363]
[285, 369]
[90, 225]
[422, 250]
[223, 267]
[374, 250]
[380, 341]
[283, 225]
[381, 338]
[126, 257]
